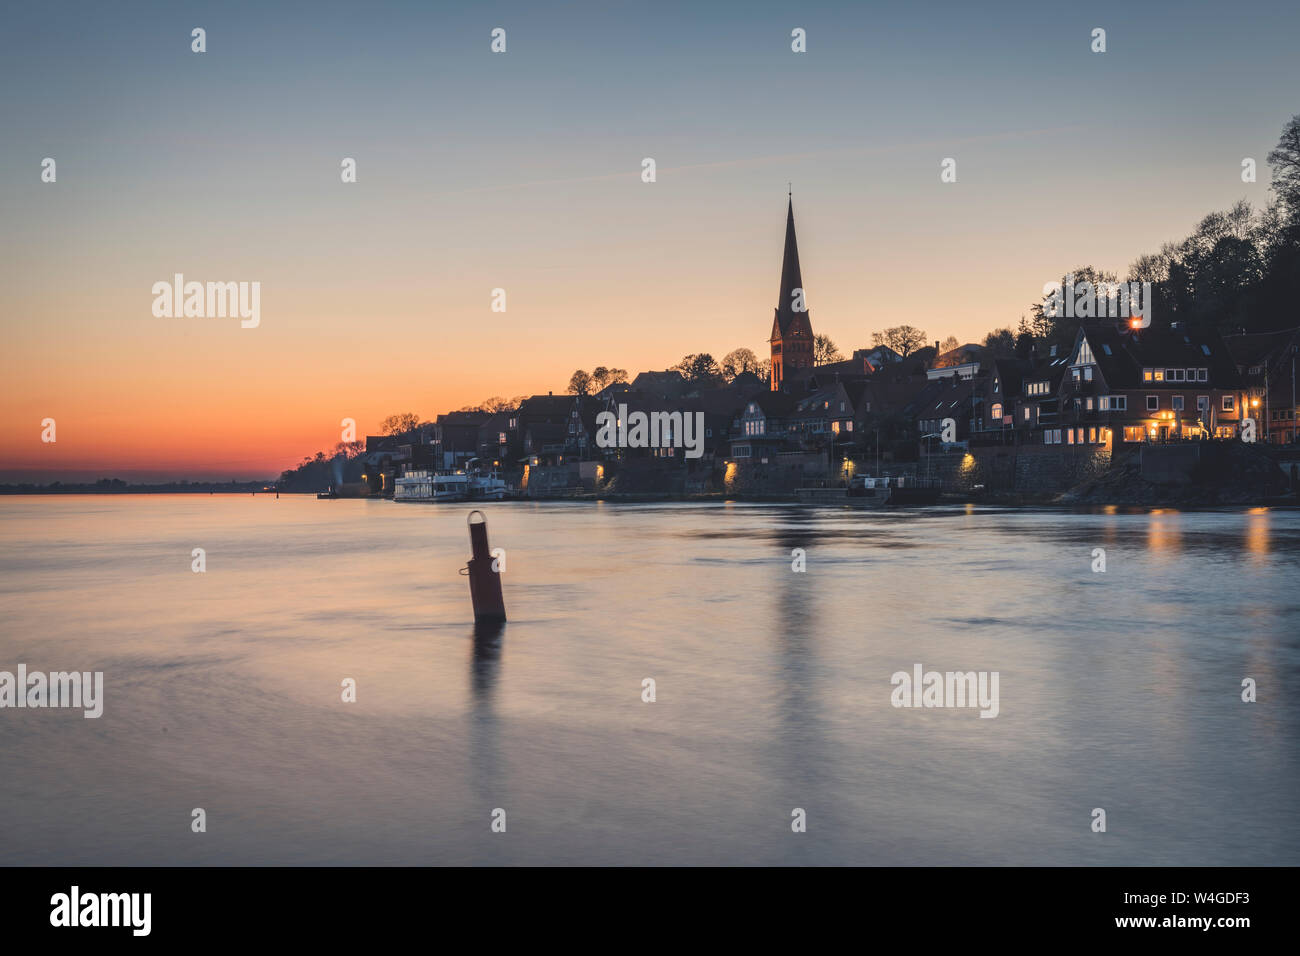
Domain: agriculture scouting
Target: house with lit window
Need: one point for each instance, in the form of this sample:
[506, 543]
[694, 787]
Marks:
[495, 437]
[1126, 386]
[994, 399]
[826, 412]
[1266, 362]
[764, 427]
[1038, 405]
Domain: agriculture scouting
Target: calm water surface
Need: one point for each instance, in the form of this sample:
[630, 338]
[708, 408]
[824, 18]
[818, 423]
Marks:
[222, 690]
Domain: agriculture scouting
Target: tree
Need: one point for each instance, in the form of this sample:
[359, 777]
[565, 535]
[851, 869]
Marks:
[602, 377]
[1001, 343]
[1285, 160]
[824, 351]
[399, 424]
[699, 369]
[1060, 329]
[579, 383]
[903, 339]
[739, 360]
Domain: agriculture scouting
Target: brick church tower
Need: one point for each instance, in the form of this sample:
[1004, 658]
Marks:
[792, 334]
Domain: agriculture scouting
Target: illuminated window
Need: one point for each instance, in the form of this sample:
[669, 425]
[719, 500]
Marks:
[997, 410]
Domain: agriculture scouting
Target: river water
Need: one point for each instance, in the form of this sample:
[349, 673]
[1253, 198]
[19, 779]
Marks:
[1119, 690]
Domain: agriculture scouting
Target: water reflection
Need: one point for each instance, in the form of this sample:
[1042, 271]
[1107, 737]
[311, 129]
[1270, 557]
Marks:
[1258, 535]
[1164, 532]
[485, 665]
[795, 624]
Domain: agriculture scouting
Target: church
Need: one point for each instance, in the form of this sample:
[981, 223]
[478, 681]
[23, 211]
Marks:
[792, 334]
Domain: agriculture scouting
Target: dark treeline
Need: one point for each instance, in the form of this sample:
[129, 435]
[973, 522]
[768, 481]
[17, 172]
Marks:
[323, 471]
[1239, 270]
[111, 486]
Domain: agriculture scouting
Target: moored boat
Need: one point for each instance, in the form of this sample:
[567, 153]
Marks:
[425, 485]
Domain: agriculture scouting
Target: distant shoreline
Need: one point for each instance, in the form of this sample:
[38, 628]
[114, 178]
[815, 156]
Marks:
[1018, 501]
[118, 487]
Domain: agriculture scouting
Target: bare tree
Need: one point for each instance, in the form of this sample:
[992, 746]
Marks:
[1285, 160]
[579, 383]
[824, 351]
[903, 339]
[699, 369]
[949, 355]
[1001, 342]
[737, 361]
[400, 423]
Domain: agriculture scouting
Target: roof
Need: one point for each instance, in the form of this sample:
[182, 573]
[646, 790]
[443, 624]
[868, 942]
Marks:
[1122, 355]
[1010, 374]
[669, 383]
[773, 404]
[464, 418]
[1251, 349]
[944, 400]
[545, 406]
[497, 422]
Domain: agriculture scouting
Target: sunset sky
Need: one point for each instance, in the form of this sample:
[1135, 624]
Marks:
[522, 171]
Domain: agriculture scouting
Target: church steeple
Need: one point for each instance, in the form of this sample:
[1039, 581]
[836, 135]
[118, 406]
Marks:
[792, 336]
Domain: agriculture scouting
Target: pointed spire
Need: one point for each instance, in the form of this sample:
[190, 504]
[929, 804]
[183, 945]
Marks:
[791, 279]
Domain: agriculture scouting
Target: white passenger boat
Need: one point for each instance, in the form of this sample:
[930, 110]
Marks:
[424, 485]
[489, 487]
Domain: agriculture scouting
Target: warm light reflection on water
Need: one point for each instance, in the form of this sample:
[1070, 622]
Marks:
[223, 689]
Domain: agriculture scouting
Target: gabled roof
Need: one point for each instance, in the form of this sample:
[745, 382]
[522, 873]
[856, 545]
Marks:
[669, 383]
[464, 418]
[1122, 355]
[1262, 348]
[545, 406]
[497, 422]
[946, 400]
[1010, 374]
[774, 404]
